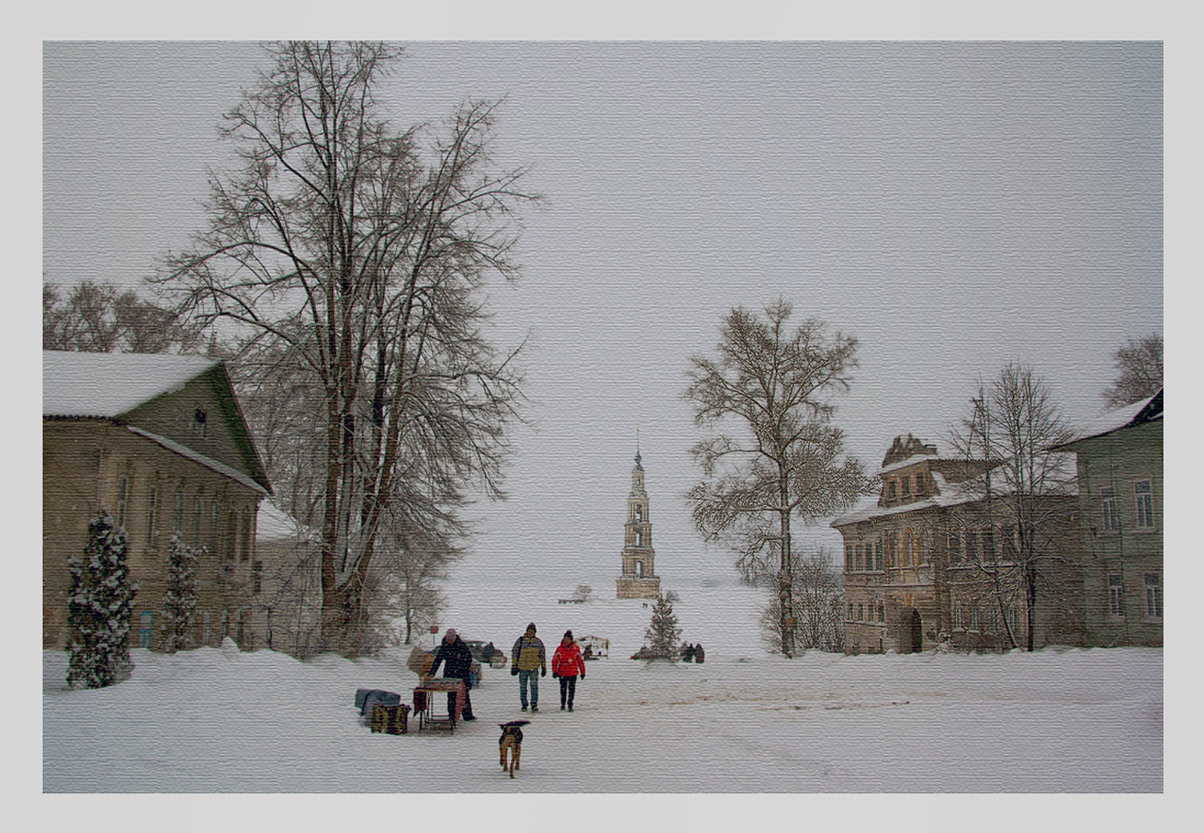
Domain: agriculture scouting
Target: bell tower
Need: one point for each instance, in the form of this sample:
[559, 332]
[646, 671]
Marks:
[638, 579]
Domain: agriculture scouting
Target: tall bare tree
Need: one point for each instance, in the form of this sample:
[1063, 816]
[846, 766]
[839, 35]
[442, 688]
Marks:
[1139, 368]
[352, 257]
[1025, 498]
[780, 458]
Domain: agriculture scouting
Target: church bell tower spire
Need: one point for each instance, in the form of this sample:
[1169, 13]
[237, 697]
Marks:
[638, 579]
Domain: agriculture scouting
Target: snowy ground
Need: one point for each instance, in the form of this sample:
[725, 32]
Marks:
[220, 721]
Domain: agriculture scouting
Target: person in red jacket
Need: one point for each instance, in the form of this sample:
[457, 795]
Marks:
[567, 664]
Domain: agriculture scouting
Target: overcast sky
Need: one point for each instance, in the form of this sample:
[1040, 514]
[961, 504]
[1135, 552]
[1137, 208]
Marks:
[952, 205]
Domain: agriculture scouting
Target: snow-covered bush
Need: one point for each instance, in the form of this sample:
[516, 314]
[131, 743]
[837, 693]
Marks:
[179, 600]
[99, 608]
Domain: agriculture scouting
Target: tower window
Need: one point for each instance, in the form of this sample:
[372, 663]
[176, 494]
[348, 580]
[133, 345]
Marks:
[199, 419]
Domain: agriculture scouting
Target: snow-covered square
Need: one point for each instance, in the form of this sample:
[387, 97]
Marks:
[217, 721]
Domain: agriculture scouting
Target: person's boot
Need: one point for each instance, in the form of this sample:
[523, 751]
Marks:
[534, 707]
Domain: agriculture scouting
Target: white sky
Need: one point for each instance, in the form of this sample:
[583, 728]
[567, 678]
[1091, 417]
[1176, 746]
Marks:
[953, 205]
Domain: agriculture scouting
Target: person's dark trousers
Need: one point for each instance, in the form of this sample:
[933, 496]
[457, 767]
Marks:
[568, 687]
[451, 703]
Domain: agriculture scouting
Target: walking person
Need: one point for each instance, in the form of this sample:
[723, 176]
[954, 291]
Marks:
[527, 657]
[456, 660]
[567, 663]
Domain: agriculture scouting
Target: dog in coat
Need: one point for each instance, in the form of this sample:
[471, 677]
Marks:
[511, 744]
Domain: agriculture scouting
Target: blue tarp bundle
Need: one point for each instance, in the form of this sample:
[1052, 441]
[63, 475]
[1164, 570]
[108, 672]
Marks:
[365, 697]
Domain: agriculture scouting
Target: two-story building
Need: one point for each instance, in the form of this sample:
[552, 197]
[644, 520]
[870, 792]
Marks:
[1120, 499]
[158, 442]
[927, 561]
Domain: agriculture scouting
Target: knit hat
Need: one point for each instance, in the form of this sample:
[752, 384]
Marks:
[531, 627]
[569, 634]
[451, 634]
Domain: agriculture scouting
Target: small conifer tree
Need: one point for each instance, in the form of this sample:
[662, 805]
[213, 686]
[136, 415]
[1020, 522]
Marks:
[99, 608]
[179, 600]
[663, 633]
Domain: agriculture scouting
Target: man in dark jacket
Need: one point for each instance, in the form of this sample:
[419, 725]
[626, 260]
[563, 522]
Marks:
[456, 660]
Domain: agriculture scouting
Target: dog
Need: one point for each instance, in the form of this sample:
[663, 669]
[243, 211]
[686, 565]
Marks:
[511, 742]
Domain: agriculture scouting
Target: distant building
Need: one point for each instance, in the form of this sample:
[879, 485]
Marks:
[638, 579]
[159, 442]
[1120, 500]
[910, 556]
[286, 584]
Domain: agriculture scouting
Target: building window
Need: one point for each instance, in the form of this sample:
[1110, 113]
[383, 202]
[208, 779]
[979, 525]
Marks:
[975, 619]
[1116, 595]
[199, 418]
[881, 613]
[988, 544]
[197, 503]
[892, 550]
[878, 555]
[972, 545]
[257, 577]
[214, 513]
[1153, 595]
[123, 488]
[1143, 494]
[152, 510]
[860, 613]
[848, 558]
[1111, 517]
[850, 611]
[993, 620]
[959, 619]
[890, 490]
[178, 521]
[907, 486]
[858, 559]
[1008, 543]
[955, 546]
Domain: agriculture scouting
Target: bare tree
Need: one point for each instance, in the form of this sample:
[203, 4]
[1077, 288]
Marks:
[1139, 365]
[353, 258]
[783, 459]
[1017, 538]
[97, 318]
[817, 617]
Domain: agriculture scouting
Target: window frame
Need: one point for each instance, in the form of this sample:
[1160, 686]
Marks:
[1143, 506]
[152, 513]
[123, 496]
[1109, 510]
[1116, 596]
[1153, 596]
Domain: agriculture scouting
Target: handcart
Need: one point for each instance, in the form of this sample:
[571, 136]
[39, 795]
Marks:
[429, 701]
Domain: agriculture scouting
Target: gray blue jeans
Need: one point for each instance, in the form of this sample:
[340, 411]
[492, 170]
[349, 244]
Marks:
[533, 678]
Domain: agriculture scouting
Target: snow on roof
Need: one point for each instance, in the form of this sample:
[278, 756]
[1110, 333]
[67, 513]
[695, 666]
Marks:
[274, 524]
[1115, 419]
[208, 462]
[910, 461]
[956, 494]
[110, 384]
